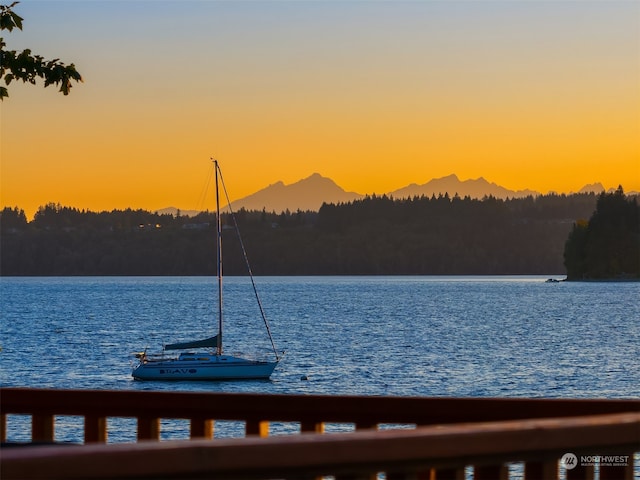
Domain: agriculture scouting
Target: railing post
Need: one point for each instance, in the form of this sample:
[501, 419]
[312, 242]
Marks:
[312, 427]
[580, 472]
[490, 472]
[3, 427]
[260, 428]
[201, 428]
[535, 470]
[448, 474]
[148, 428]
[422, 475]
[42, 428]
[619, 472]
[366, 426]
[356, 476]
[95, 429]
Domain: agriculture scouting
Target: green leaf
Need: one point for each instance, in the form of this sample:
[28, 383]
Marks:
[28, 67]
[17, 20]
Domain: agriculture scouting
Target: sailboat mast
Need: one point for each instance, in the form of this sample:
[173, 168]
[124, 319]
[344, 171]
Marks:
[219, 255]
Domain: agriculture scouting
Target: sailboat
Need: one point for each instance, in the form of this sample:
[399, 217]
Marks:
[204, 359]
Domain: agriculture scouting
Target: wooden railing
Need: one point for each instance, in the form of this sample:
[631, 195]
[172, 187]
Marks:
[451, 435]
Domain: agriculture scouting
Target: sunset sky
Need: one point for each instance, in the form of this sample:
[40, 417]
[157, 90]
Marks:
[542, 95]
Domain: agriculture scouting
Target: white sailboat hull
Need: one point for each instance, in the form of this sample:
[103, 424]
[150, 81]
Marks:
[204, 367]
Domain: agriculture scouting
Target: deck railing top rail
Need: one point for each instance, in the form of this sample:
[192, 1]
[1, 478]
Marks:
[302, 408]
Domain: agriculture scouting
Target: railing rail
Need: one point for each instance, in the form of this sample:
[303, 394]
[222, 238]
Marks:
[452, 433]
[259, 409]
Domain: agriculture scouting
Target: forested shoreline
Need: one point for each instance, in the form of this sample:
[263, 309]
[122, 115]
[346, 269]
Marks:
[377, 235]
[607, 246]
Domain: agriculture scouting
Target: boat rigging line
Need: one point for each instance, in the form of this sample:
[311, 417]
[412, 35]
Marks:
[246, 258]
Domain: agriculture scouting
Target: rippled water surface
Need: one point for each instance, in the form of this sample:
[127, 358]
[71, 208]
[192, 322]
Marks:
[435, 336]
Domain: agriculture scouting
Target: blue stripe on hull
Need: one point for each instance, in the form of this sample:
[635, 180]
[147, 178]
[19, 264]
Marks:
[227, 368]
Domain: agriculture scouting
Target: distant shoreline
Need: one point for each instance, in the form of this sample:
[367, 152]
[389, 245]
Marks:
[603, 280]
[542, 278]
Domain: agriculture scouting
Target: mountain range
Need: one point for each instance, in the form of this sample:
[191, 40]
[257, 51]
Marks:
[306, 194]
[311, 192]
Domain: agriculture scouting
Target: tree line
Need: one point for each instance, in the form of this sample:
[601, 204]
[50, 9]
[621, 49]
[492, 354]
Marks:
[608, 245]
[377, 235]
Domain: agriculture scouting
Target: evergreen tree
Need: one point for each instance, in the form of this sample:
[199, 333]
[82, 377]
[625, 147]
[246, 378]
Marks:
[608, 246]
[12, 218]
[574, 251]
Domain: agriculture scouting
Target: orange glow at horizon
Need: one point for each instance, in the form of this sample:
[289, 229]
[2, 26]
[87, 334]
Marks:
[372, 95]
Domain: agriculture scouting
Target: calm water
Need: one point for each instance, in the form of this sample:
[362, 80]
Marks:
[435, 336]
